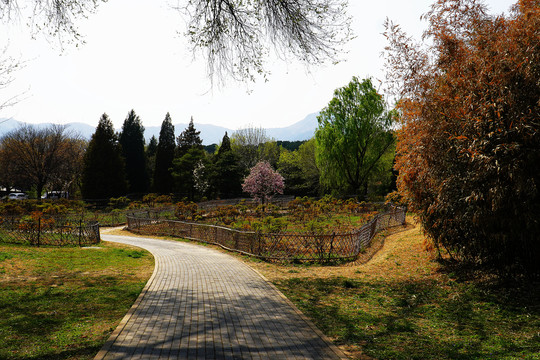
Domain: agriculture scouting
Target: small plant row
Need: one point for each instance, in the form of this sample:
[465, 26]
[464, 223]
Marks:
[38, 230]
[324, 230]
[300, 215]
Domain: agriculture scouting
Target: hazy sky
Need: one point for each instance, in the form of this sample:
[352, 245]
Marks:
[135, 57]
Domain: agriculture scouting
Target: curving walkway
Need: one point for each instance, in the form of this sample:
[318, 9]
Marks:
[203, 304]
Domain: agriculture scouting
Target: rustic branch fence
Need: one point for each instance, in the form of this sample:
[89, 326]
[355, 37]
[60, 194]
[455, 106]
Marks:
[272, 246]
[48, 231]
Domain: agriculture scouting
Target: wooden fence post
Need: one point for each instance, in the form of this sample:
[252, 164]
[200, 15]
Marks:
[39, 230]
[80, 232]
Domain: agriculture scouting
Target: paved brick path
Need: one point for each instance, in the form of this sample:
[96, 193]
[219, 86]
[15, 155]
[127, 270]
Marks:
[204, 304]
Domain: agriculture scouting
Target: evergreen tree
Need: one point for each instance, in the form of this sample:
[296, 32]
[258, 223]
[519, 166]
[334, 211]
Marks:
[227, 173]
[151, 151]
[103, 170]
[163, 180]
[190, 173]
[132, 141]
[188, 139]
[225, 145]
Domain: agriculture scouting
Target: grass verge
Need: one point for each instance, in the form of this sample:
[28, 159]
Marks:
[403, 304]
[63, 303]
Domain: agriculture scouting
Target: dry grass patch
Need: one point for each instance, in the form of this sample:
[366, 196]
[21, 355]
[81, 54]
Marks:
[402, 304]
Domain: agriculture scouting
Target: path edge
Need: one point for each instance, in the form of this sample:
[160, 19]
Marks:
[112, 338]
[303, 316]
[114, 335]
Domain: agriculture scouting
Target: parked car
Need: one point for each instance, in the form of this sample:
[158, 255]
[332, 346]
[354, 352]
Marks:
[55, 195]
[17, 196]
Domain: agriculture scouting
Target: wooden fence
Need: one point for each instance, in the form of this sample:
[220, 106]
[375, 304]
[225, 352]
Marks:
[48, 231]
[272, 246]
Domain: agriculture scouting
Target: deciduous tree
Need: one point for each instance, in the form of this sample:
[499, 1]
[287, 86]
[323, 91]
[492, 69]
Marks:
[469, 147]
[37, 157]
[246, 142]
[8, 66]
[300, 170]
[263, 182]
[353, 135]
[269, 151]
[234, 33]
[236, 36]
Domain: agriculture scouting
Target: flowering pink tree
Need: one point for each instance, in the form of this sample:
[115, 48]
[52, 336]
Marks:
[263, 182]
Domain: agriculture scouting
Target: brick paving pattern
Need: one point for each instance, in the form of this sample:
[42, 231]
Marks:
[204, 304]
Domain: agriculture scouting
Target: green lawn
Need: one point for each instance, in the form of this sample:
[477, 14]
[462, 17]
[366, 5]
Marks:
[419, 320]
[405, 305]
[63, 303]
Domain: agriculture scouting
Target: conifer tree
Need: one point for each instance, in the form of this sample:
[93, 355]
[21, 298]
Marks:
[189, 172]
[103, 170]
[150, 153]
[188, 139]
[190, 163]
[151, 149]
[227, 173]
[225, 145]
[132, 141]
[163, 180]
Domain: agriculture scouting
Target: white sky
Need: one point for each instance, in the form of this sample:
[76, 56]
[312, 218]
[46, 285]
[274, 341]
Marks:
[136, 58]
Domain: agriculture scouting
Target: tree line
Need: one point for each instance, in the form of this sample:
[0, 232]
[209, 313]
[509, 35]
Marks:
[115, 164]
[466, 122]
[467, 139]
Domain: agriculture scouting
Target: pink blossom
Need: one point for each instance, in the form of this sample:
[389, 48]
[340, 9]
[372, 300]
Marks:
[263, 182]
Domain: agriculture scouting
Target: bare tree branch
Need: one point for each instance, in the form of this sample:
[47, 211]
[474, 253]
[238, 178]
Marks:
[237, 36]
[8, 65]
[53, 17]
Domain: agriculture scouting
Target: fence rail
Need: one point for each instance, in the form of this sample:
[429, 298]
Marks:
[276, 200]
[273, 246]
[48, 231]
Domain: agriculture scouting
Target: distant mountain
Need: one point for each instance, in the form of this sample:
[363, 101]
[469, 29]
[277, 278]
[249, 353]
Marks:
[302, 130]
[210, 134]
[6, 125]
[85, 130]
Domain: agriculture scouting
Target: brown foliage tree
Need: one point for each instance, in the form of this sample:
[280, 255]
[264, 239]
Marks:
[469, 146]
[32, 157]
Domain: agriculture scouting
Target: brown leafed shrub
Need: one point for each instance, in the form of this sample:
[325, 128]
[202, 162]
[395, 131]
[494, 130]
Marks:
[469, 147]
